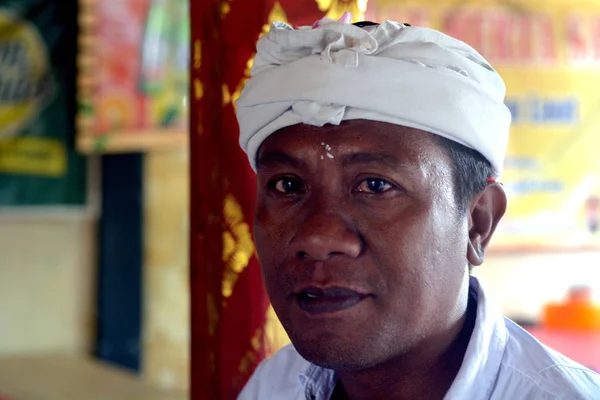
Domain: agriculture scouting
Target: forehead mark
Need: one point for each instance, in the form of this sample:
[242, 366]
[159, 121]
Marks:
[328, 150]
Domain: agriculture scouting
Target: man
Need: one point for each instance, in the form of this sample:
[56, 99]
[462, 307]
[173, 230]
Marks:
[376, 149]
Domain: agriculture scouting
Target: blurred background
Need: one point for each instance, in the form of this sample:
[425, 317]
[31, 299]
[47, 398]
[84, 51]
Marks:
[95, 184]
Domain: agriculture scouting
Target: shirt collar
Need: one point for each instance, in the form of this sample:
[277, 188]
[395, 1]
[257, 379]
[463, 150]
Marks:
[477, 375]
[318, 382]
[479, 370]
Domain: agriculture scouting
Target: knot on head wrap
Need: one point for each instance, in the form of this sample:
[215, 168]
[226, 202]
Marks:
[410, 76]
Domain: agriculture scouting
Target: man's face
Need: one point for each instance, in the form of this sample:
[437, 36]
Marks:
[362, 245]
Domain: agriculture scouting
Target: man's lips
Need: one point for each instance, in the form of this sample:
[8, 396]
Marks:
[315, 300]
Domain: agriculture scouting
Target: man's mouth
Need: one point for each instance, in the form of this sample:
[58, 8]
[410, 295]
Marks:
[316, 300]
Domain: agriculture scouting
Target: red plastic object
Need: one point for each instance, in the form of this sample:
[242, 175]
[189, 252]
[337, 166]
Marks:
[572, 327]
[577, 313]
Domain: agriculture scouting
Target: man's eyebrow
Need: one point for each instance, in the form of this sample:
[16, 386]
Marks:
[277, 158]
[388, 160]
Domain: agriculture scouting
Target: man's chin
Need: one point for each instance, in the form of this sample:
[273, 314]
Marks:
[338, 356]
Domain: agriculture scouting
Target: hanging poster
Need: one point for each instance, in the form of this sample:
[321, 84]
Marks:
[136, 66]
[38, 163]
[549, 56]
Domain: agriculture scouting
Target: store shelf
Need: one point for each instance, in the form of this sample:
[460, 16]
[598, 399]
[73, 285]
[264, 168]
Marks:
[72, 378]
[133, 141]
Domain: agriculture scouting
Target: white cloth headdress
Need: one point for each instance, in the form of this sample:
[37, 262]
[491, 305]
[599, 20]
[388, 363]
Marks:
[410, 76]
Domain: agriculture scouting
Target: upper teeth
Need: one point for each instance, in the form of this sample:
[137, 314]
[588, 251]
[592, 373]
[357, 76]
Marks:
[311, 295]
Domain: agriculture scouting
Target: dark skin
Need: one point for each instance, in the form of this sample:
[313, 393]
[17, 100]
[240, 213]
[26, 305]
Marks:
[378, 220]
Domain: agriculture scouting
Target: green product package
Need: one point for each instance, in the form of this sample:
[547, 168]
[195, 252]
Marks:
[39, 165]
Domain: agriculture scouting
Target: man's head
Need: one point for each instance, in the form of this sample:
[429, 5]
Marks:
[366, 222]
[363, 240]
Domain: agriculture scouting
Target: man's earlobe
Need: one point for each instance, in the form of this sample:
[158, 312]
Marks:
[486, 210]
[475, 254]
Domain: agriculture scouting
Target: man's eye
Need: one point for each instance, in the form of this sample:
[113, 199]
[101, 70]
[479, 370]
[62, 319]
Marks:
[373, 185]
[287, 186]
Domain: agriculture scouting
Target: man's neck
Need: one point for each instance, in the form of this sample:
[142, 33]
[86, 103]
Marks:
[412, 376]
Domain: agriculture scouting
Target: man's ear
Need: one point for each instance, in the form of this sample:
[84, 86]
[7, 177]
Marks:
[485, 211]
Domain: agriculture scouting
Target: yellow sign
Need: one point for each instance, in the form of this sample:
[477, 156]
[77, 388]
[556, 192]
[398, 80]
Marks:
[33, 156]
[549, 56]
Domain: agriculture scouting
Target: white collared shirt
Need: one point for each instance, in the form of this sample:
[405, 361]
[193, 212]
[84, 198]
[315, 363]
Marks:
[502, 362]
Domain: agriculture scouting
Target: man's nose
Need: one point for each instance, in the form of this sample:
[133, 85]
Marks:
[323, 234]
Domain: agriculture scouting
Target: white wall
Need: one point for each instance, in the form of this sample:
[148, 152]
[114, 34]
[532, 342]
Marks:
[47, 293]
[166, 278]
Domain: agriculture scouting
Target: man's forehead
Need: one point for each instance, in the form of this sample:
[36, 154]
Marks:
[360, 132]
[351, 143]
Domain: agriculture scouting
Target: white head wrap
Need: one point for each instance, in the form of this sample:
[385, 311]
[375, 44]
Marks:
[410, 76]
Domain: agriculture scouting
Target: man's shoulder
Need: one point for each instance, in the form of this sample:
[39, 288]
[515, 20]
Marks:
[544, 370]
[277, 377]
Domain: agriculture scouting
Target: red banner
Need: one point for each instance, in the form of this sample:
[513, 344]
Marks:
[229, 303]
[228, 300]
